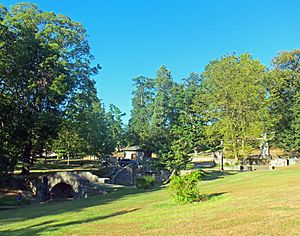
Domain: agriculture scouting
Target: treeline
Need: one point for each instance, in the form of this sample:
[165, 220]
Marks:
[48, 101]
[232, 106]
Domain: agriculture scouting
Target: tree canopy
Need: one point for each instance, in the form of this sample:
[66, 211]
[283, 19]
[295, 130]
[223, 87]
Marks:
[285, 99]
[234, 104]
[45, 78]
[234, 93]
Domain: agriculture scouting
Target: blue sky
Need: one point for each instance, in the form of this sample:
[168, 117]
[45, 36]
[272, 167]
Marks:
[135, 37]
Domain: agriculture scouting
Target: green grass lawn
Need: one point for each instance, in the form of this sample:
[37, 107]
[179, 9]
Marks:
[250, 203]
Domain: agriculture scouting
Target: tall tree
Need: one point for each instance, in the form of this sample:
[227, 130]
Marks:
[285, 99]
[116, 126]
[46, 60]
[187, 125]
[234, 95]
[86, 128]
[152, 114]
[191, 120]
[139, 124]
[161, 122]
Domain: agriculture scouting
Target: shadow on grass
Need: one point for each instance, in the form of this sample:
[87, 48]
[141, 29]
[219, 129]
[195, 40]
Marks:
[213, 195]
[56, 208]
[213, 175]
[51, 226]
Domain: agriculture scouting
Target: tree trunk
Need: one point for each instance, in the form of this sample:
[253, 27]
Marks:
[46, 155]
[243, 149]
[195, 152]
[172, 174]
[68, 155]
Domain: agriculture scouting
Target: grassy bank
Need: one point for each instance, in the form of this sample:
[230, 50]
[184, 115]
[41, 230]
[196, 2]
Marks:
[250, 203]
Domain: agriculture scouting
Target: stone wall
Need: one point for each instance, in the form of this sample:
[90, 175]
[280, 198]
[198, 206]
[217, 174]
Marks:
[284, 162]
[127, 175]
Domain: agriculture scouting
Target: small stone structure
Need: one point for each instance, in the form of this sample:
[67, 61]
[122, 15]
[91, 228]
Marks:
[60, 185]
[134, 153]
[64, 185]
[279, 162]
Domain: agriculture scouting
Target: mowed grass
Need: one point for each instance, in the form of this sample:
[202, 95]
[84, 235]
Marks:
[250, 203]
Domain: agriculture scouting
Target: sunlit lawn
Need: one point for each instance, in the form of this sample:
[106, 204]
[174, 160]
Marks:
[250, 203]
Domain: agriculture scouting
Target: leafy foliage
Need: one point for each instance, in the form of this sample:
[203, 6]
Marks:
[235, 103]
[284, 87]
[139, 124]
[184, 189]
[145, 182]
[162, 120]
[116, 126]
[45, 88]
[150, 123]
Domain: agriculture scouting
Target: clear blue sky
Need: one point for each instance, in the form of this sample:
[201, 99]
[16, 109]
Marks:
[135, 37]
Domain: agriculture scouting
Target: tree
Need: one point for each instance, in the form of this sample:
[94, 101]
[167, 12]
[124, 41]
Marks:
[152, 114]
[161, 118]
[86, 128]
[285, 99]
[187, 125]
[139, 131]
[190, 120]
[234, 98]
[116, 126]
[45, 59]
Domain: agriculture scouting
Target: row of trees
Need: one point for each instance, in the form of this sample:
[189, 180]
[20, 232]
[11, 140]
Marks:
[232, 105]
[48, 100]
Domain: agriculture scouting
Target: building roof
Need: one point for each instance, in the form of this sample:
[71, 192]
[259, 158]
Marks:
[132, 148]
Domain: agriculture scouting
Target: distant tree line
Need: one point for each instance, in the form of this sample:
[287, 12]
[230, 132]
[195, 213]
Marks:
[48, 101]
[231, 106]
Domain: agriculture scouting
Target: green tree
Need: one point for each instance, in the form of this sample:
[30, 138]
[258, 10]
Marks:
[235, 101]
[161, 118]
[285, 99]
[187, 125]
[116, 126]
[138, 130]
[45, 59]
[151, 115]
[86, 129]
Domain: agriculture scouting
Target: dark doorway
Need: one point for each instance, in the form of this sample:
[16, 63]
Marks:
[62, 191]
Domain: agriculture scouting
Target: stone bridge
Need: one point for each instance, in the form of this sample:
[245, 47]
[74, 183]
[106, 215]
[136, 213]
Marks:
[75, 185]
[60, 185]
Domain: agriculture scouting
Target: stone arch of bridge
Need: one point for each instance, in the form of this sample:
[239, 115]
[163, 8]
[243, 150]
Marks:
[62, 190]
[66, 178]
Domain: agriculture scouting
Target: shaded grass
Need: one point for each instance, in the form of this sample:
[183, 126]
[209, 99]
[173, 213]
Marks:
[214, 174]
[250, 203]
[12, 201]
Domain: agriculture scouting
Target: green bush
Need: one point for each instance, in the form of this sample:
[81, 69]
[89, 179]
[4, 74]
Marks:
[184, 188]
[227, 164]
[145, 182]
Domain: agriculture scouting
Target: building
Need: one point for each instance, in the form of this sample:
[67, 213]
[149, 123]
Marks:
[133, 153]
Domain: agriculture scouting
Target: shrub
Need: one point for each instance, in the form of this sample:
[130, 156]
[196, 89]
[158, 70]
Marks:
[227, 164]
[145, 182]
[184, 188]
